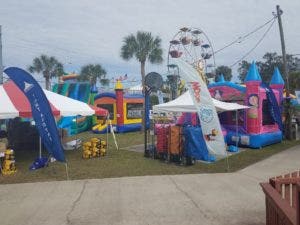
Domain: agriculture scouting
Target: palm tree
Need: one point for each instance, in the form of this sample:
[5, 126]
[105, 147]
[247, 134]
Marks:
[143, 47]
[91, 73]
[49, 66]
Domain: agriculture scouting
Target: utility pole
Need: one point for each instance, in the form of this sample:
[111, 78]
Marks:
[1, 63]
[288, 114]
[285, 69]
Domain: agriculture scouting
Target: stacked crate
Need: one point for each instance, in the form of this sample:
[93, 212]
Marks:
[175, 143]
[162, 132]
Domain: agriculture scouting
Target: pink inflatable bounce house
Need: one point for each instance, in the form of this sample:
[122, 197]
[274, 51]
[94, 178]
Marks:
[261, 124]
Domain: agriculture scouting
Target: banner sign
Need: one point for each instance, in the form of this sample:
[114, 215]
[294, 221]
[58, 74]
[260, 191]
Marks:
[41, 110]
[206, 110]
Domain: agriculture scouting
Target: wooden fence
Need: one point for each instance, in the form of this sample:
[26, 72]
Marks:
[282, 199]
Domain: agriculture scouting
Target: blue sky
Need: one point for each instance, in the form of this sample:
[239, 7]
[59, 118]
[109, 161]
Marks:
[80, 32]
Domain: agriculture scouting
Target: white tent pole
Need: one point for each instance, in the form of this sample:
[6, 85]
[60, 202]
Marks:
[76, 132]
[227, 161]
[113, 133]
[236, 128]
[67, 170]
[107, 126]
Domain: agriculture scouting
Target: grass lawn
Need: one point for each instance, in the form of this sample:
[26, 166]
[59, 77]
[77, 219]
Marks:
[120, 163]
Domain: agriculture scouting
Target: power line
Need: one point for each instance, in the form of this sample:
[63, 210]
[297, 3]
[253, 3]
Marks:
[36, 51]
[49, 46]
[240, 39]
[33, 47]
[254, 47]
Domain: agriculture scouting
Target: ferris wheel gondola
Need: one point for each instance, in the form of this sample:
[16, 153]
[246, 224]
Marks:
[193, 46]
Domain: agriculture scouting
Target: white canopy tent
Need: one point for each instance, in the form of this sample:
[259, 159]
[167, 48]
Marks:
[71, 107]
[184, 103]
[15, 104]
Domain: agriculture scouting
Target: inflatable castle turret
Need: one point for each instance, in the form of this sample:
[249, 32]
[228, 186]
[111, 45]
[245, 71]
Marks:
[119, 104]
[253, 117]
[277, 83]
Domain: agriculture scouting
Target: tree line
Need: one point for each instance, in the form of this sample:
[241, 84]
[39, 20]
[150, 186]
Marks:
[50, 67]
[266, 66]
[143, 46]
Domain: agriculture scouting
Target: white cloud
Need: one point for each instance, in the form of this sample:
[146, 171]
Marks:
[92, 31]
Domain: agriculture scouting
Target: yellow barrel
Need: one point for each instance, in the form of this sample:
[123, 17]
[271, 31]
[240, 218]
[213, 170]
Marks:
[95, 140]
[9, 154]
[87, 144]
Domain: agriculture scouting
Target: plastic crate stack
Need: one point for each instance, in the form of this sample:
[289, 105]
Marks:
[175, 144]
[162, 132]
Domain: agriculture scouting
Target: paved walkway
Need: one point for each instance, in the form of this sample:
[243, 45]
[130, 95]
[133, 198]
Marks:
[233, 198]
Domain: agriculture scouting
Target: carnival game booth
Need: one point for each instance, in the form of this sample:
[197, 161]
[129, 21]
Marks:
[125, 110]
[181, 135]
[261, 124]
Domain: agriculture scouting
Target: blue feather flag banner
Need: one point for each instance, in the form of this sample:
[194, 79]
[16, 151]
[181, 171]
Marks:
[41, 110]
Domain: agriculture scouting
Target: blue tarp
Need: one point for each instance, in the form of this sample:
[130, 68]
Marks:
[195, 146]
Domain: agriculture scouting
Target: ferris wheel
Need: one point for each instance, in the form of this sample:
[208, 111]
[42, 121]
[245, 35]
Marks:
[193, 46]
